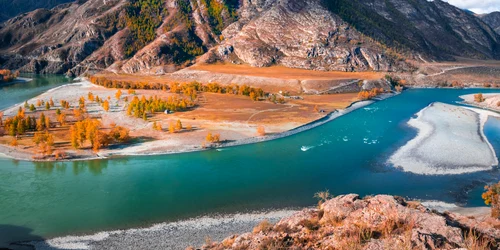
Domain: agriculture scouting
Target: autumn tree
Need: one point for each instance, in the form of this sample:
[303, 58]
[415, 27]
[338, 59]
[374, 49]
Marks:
[90, 96]
[178, 125]
[75, 143]
[45, 142]
[478, 97]
[47, 122]
[65, 104]
[105, 105]
[491, 198]
[47, 106]
[83, 131]
[253, 96]
[209, 137]
[171, 127]
[365, 94]
[81, 102]
[51, 102]
[261, 131]
[40, 123]
[118, 94]
[14, 142]
[119, 134]
[38, 103]
[61, 118]
[213, 138]
[216, 138]
[32, 108]
[78, 114]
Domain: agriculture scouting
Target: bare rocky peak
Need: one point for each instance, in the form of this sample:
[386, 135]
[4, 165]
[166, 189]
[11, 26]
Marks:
[493, 20]
[300, 34]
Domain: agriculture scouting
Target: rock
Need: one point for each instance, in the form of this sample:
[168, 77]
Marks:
[375, 223]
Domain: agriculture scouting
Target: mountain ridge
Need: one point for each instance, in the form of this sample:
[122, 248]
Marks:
[493, 20]
[374, 35]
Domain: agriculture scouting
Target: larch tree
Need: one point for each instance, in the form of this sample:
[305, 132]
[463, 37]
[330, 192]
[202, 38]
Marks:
[261, 131]
[14, 142]
[171, 127]
[118, 94]
[105, 105]
[178, 125]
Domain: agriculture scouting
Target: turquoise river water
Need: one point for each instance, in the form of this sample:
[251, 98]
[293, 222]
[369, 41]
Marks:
[347, 155]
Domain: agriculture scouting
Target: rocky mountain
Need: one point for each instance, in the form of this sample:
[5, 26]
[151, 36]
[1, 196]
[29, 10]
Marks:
[380, 222]
[159, 36]
[12, 8]
[493, 20]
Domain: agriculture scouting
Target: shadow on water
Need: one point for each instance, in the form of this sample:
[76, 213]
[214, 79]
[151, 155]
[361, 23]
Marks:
[95, 167]
[11, 235]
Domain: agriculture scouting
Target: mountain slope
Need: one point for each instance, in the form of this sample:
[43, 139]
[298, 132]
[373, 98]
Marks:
[137, 35]
[493, 20]
[159, 36]
[12, 8]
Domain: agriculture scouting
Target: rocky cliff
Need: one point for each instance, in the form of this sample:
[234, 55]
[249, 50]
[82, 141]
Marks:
[160, 36]
[380, 222]
[493, 20]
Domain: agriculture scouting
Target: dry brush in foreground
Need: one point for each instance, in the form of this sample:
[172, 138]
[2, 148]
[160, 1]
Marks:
[380, 222]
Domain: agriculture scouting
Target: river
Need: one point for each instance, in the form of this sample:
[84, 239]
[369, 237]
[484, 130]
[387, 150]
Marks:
[346, 155]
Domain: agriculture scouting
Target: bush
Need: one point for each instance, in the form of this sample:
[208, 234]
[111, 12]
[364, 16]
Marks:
[479, 97]
[491, 198]
[264, 226]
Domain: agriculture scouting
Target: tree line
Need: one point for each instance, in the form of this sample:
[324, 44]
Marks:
[191, 89]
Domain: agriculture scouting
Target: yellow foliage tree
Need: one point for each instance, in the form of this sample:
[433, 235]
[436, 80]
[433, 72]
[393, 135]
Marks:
[105, 105]
[178, 125]
[261, 131]
[118, 94]
[491, 197]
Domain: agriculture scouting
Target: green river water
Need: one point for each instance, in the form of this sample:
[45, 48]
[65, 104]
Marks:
[346, 155]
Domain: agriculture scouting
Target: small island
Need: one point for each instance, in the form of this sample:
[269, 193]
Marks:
[439, 126]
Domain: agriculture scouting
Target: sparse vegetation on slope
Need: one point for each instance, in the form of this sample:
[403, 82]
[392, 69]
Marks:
[143, 17]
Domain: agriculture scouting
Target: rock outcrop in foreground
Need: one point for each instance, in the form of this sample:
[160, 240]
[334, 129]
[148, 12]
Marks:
[380, 222]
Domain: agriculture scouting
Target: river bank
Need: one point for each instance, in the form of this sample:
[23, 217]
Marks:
[237, 126]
